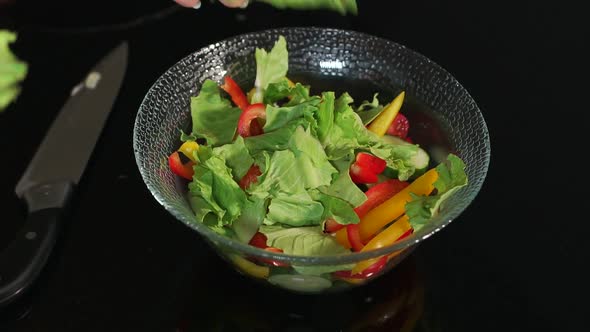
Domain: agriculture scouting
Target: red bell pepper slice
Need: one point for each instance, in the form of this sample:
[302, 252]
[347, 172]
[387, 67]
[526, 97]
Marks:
[250, 177]
[177, 167]
[258, 240]
[354, 237]
[378, 194]
[331, 226]
[247, 122]
[235, 92]
[399, 127]
[366, 168]
[368, 272]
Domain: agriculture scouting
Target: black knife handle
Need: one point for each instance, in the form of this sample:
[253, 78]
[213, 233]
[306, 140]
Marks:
[23, 260]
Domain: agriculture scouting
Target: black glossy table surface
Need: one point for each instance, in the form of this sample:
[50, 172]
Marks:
[513, 261]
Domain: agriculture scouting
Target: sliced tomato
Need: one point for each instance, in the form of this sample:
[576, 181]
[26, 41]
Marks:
[258, 240]
[250, 177]
[378, 194]
[354, 237]
[235, 92]
[399, 127]
[177, 167]
[331, 226]
[248, 118]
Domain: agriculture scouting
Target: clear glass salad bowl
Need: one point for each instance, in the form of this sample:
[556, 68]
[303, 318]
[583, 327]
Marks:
[444, 118]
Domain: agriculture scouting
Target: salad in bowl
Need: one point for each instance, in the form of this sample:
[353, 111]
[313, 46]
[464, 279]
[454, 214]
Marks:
[302, 187]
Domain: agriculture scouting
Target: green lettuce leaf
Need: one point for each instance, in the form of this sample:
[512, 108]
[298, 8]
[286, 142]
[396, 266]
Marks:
[12, 70]
[214, 117]
[368, 111]
[451, 177]
[271, 67]
[341, 6]
[337, 209]
[213, 189]
[278, 117]
[325, 115]
[247, 224]
[311, 160]
[342, 186]
[306, 241]
[296, 210]
[236, 157]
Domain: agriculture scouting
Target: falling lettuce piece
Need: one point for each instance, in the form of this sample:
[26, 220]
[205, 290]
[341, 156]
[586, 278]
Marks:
[451, 177]
[214, 117]
[12, 70]
[271, 67]
[341, 6]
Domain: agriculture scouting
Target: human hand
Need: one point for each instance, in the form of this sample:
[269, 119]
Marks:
[227, 3]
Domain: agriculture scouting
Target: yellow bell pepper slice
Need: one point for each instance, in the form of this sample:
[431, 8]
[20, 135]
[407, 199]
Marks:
[187, 148]
[391, 209]
[382, 122]
[250, 268]
[384, 238]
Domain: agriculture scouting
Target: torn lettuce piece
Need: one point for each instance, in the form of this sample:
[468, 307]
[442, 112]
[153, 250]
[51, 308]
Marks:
[271, 67]
[341, 6]
[12, 70]
[451, 177]
[295, 210]
[336, 208]
[368, 111]
[213, 189]
[306, 241]
[342, 186]
[247, 224]
[214, 117]
[236, 157]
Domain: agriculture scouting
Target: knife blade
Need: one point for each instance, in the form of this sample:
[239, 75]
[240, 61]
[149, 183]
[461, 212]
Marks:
[56, 168]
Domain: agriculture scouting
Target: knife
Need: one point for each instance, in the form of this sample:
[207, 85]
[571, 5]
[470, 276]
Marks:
[52, 175]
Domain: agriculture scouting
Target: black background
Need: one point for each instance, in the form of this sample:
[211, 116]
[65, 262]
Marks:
[513, 261]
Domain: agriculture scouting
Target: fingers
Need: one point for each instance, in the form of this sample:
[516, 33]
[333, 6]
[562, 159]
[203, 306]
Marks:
[234, 3]
[197, 3]
[189, 3]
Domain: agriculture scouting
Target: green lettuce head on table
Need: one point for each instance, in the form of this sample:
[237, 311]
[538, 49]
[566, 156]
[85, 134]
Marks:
[12, 70]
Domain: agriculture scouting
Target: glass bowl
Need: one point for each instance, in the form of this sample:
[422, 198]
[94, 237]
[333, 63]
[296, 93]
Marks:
[444, 118]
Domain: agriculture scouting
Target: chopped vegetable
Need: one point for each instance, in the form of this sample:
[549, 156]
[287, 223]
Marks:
[382, 123]
[179, 168]
[310, 175]
[237, 95]
[399, 127]
[248, 119]
[12, 70]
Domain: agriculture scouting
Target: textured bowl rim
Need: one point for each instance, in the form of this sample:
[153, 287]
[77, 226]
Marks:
[434, 225]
